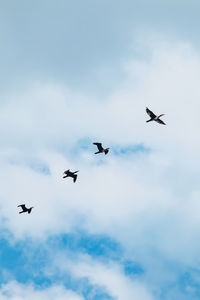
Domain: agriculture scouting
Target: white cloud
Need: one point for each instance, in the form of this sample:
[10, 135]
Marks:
[145, 201]
[49, 116]
[16, 291]
[108, 276]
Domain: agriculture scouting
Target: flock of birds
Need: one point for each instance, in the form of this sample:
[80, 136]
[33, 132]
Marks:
[100, 148]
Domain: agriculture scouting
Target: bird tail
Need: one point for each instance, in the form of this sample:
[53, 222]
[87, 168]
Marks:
[106, 151]
[75, 177]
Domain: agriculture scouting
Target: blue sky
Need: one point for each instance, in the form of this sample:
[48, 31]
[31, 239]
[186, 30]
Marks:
[77, 72]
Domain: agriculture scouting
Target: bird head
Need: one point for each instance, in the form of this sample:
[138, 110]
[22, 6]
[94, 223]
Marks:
[65, 172]
[161, 115]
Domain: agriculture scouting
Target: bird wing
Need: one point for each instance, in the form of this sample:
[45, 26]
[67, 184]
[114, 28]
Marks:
[160, 121]
[75, 177]
[99, 146]
[22, 206]
[150, 113]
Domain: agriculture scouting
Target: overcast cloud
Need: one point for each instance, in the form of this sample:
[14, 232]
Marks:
[129, 227]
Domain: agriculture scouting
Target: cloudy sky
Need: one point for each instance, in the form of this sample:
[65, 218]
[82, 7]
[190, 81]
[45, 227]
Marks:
[77, 72]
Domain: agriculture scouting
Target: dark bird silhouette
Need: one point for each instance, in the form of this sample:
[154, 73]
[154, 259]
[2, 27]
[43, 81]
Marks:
[25, 209]
[68, 173]
[100, 148]
[154, 117]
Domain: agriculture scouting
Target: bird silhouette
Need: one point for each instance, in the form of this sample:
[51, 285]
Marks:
[25, 209]
[154, 117]
[101, 149]
[68, 173]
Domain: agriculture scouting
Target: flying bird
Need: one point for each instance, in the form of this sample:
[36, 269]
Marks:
[154, 117]
[100, 148]
[68, 173]
[25, 209]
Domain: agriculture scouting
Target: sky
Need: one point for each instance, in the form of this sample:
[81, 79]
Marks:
[77, 72]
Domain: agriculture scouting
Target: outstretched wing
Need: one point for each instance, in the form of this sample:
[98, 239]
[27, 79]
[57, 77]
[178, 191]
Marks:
[99, 146]
[150, 113]
[74, 177]
[160, 121]
[22, 206]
